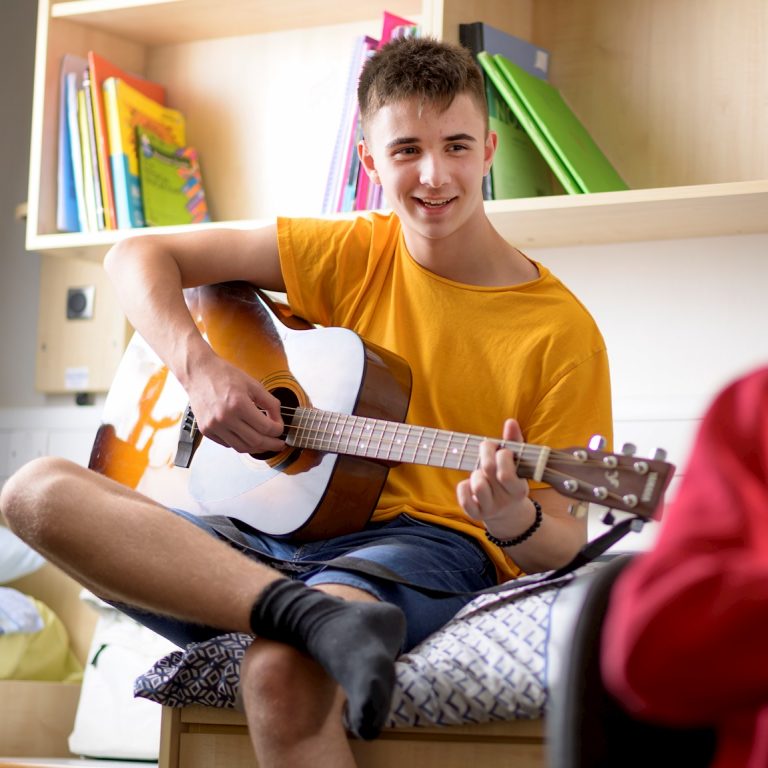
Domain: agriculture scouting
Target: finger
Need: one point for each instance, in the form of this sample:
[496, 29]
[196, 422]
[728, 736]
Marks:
[270, 408]
[511, 431]
[466, 500]
[480, 487]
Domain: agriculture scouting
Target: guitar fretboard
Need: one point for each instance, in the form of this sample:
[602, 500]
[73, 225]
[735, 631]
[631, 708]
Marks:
[392, 441]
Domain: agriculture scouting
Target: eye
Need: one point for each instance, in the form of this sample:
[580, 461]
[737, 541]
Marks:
[453, 148]
[405, 152]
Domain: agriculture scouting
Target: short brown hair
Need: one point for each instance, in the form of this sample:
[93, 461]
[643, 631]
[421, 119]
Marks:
[431, 70]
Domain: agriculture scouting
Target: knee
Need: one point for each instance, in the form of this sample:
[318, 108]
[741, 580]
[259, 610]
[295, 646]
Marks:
[28, 496]
[286, 695]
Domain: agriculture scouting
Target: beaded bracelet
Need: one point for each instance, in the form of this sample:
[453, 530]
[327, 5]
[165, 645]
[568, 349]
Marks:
[524, 536]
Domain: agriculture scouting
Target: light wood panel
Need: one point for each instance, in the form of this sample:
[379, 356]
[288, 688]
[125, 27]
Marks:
[77, 355]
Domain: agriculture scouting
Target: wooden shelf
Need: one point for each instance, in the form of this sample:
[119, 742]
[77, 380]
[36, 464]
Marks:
[181, 21]
[667, 213]
[688, 145]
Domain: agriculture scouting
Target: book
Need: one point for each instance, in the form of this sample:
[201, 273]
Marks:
[556, 124]
[171, 182]
[70, 206]
[338, 156]
[479, 36]
[89, 194]
[553, 160]
[92, 156]
[348, 187]
[73, 85]
[518, 169]
[126, 109]
[100, 69]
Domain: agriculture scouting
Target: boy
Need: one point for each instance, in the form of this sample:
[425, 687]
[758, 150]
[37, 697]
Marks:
[485, 331]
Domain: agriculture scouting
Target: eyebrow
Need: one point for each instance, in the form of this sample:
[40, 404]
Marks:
[415, 140]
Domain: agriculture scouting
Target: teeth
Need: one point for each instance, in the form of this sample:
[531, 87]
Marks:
[435, 203]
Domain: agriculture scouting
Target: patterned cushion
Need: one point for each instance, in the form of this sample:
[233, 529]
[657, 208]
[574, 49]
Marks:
[490, 662]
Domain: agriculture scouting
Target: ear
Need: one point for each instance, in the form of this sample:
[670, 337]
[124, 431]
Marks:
[491, 143]
[366, 160]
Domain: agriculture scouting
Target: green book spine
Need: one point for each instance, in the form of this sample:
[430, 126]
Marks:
[554, 161]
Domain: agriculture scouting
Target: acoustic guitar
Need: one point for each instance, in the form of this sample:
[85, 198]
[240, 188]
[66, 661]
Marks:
[344, 401]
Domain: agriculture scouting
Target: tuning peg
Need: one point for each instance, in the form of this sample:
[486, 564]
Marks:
[660, 455]
[629, 449]
[608, 518]
[597, 442]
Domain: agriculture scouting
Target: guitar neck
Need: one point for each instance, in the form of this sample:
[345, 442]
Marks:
[619, 481]
[402, 443]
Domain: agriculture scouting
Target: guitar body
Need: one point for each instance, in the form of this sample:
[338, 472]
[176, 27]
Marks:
[299, 493]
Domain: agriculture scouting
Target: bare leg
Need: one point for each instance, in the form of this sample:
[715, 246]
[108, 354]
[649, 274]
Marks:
[127, 548]
[294, 708]
[123, 546]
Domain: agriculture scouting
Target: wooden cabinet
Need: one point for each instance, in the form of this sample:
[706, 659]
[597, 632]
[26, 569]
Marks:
[674, 92]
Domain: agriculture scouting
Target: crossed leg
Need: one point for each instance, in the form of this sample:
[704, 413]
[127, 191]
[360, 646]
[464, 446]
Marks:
[126, 548]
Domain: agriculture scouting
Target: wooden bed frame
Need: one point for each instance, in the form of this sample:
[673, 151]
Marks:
[205, 737]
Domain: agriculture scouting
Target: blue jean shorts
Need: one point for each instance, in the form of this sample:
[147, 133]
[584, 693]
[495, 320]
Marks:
[429, 556]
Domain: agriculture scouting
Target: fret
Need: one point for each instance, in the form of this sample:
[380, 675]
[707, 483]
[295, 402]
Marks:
[366, 431]
[429, 443]
[402, 439]
[382, 431]
[448, 442]
[389, 446]
[347, 431]
[336, 432]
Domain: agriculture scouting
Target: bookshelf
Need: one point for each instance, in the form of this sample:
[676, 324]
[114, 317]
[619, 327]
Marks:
[671, 92]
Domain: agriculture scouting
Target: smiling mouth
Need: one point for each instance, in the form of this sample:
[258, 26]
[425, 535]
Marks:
[435, 203]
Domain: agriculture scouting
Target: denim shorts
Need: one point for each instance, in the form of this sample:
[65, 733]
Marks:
[430, 556]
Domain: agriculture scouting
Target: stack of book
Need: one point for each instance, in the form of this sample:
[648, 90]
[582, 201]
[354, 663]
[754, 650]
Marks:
[540, 137]
[348, 187]
[123, 157]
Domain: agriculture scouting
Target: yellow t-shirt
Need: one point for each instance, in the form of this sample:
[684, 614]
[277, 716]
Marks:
[477, 354]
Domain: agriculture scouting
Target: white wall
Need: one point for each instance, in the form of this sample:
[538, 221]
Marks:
[681, 319]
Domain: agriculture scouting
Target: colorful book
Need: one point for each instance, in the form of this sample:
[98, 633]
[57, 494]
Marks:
[338, 156]
[127, 109]
[348, 187]
[101, 69]
[554, 123]
[518, 169]
[171, 182]
[70, 206]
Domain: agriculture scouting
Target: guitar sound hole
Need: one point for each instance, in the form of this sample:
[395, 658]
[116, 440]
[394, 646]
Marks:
[288, 403]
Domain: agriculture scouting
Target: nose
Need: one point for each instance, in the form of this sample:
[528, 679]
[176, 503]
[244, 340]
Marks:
[433, 171]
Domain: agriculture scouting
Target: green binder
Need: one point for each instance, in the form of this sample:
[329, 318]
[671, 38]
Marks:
[575, 159]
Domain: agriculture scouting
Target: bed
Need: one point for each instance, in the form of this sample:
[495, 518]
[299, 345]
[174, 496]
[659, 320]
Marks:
[475, 692]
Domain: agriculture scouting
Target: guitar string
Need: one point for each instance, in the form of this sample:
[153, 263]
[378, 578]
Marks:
[439, 442]
[550, 475]
[470, 449]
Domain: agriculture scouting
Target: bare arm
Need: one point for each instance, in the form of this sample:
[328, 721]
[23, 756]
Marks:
[496, 496]
[149, 273]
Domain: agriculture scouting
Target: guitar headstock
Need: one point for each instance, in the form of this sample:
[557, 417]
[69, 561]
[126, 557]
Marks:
[621, 481]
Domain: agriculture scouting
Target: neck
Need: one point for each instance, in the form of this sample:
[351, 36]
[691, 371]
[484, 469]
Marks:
[478, 255]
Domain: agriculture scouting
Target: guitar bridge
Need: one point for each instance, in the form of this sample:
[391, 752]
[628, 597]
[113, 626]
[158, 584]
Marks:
[189, 439]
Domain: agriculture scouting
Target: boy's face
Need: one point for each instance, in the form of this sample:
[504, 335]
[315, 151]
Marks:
[430, 163]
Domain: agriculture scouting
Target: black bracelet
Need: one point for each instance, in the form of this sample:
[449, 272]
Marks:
[524, 536]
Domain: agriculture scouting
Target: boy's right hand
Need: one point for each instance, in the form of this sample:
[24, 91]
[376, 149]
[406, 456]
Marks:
[233, 409]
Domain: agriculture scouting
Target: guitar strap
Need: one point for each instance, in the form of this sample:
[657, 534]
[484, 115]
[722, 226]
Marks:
[590, 552]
